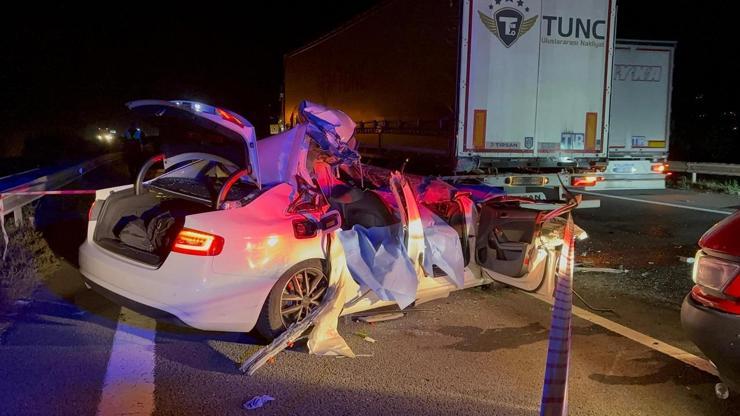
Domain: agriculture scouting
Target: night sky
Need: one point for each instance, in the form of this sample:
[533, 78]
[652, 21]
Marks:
[63, 68]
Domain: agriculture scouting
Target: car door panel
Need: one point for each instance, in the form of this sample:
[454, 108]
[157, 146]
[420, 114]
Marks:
[505, 242]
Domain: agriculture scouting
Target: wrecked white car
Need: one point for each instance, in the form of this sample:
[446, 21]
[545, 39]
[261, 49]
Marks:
[236, 233]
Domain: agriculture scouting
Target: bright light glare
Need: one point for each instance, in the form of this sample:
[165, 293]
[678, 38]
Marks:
[272, 240]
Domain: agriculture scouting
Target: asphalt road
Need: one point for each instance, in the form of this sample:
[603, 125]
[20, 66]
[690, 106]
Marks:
[648, 241]
[476, 352]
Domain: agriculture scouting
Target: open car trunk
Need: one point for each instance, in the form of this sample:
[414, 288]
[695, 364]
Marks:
[123, 213]
[143, 227]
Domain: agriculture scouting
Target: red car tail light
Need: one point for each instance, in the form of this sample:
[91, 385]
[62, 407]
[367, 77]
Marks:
[733, 289]
[305, 228]
[714, 302]
[717, 274]
[198, 243]
[90, 211]
[585, 180]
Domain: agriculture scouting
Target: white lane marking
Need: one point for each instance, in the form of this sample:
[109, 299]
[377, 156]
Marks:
[639, 337]
[667, 204]
[128, 388]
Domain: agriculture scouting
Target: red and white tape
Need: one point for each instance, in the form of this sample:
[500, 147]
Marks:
[555, 389]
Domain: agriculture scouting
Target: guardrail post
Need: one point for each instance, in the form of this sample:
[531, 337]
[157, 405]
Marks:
[18, 216]
[693, 177]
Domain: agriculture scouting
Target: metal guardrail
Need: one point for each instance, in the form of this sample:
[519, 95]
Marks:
[13, 204]
[701, 168]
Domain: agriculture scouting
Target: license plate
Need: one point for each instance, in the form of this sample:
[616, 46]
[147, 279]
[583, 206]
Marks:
[625, 168]
[537, 196]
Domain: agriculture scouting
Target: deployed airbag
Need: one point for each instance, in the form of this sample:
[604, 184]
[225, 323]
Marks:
[377, 260]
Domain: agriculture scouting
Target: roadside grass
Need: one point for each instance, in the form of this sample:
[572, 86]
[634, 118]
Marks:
[27, 263]
[727, 186]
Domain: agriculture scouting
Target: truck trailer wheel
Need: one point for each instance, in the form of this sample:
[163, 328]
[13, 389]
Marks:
[298, 292]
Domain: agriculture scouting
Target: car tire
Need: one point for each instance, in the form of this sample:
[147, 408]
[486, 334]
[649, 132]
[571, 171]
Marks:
[272, 322]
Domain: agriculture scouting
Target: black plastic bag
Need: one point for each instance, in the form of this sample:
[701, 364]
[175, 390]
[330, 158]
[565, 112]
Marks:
[150, 236]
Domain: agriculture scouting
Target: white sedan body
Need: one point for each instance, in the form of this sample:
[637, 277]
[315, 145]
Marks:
[226, 292]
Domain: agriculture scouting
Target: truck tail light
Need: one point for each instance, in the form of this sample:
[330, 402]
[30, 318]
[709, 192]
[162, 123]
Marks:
[586, 180]
[198, 243]
[305, 228]
[659, 167]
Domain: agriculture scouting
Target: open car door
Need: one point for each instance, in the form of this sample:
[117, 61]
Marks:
[507, 245]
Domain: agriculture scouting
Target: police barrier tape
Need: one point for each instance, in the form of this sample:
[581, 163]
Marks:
[6, 238]
[555, 388]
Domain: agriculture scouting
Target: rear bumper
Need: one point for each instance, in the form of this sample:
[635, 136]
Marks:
[184, 286]
[717, 334]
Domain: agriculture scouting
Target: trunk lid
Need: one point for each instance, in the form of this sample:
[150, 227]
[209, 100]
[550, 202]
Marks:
[192, 127]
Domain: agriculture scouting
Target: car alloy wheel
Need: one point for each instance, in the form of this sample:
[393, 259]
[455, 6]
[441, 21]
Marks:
[302, 294]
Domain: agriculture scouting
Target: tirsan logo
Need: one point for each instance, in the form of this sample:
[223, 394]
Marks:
[507, 23]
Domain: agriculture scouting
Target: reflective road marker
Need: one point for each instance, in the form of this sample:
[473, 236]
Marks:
[128, 387]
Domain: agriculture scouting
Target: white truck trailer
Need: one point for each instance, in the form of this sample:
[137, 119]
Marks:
[504, 88]
[640, 114]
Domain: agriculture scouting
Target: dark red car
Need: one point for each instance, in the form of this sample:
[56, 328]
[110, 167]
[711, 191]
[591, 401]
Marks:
[711, 312]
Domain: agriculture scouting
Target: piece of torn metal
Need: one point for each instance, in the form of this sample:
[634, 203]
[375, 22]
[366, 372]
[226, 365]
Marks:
[331, 129]
[600, 270]
[380, 317]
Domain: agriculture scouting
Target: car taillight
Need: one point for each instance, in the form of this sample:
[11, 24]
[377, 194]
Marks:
[725, 305]
[717, 274]
[305, 228]
[586, 180]
[659, 167]
[197, 243]
[90, 212]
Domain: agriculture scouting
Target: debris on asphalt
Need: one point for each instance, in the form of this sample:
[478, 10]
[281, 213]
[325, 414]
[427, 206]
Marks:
[689, 260]
[365, 337]
[381, 317]
[358, 355]
[257, 401]
[600, 270]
